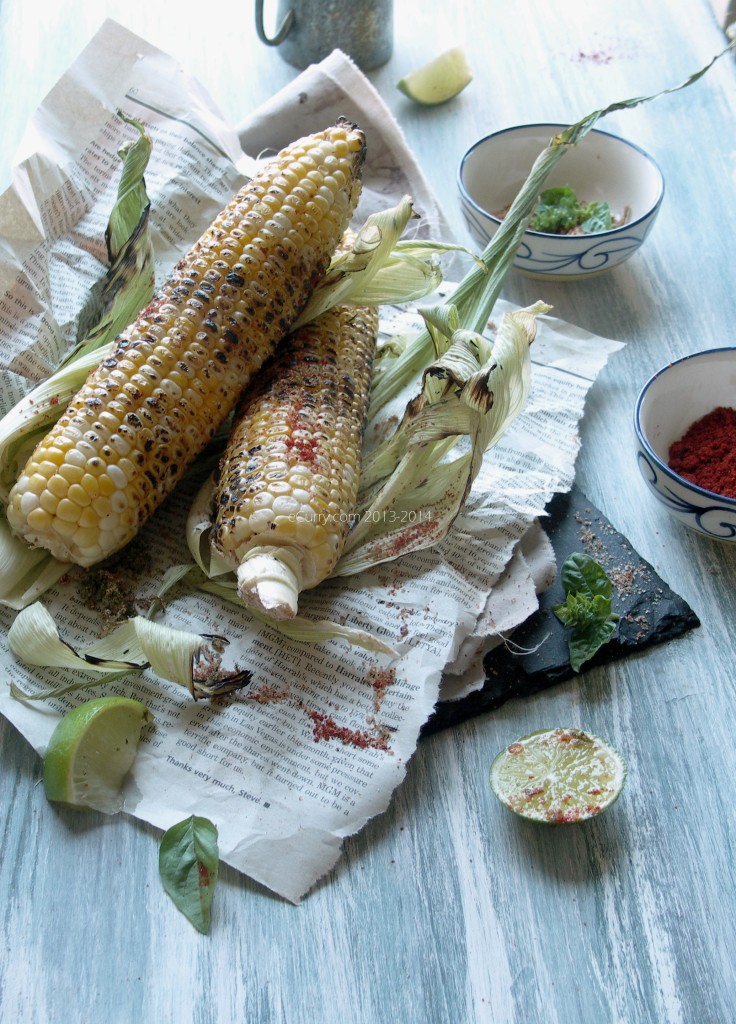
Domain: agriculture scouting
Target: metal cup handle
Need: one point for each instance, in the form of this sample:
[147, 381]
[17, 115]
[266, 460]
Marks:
[283, 30]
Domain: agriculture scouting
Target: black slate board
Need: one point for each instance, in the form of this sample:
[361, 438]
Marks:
[650, 614]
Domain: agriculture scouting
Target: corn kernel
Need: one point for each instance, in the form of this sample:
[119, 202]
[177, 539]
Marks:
[77, 494]
[39, 519]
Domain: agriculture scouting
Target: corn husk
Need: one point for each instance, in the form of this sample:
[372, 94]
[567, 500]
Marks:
[190, 660]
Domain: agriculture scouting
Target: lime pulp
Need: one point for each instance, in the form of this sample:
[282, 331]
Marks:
[558, 776]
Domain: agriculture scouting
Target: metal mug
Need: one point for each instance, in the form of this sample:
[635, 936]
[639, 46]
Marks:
[311, 29]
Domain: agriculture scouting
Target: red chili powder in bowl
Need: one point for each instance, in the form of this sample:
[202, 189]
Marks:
[706, 454]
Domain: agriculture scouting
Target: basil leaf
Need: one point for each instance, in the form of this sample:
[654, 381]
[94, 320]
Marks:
[584, 643]
[596, 217]
[587, 611]
[583, 576]
[581, 611]
[188, 861]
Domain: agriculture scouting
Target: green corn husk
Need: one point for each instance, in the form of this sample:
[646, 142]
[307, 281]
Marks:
[379, 267]
[128, 285]
[469, 396]
[114, 301]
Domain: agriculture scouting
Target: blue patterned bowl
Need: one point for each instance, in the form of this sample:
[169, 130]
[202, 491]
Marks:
[674, 398]
[603, 167]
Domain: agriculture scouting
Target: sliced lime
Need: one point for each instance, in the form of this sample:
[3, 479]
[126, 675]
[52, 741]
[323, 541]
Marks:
[558, 776]
[439, 80]
[91, 751]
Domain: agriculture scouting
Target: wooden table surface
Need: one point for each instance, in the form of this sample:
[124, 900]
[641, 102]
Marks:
[447, 908]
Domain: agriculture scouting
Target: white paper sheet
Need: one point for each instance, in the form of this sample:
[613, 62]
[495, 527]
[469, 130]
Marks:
[316, 745]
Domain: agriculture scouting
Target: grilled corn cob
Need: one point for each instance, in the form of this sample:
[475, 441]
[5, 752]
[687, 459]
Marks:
[289, 477]
[175, 375]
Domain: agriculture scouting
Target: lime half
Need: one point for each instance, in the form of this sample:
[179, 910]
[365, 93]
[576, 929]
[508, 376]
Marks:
[91, 751]
[558, 776]
[439, 80]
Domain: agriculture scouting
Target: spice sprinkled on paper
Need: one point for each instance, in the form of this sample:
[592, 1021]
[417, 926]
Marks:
[325, 726]
[380, 679]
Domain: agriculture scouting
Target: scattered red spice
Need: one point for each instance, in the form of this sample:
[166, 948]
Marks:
[417, 533]
[639, 620]
[575, 814]
[595, 56]
[706, 454]
[380, 679]
[324, 727]
[306, 449]
[268, 695]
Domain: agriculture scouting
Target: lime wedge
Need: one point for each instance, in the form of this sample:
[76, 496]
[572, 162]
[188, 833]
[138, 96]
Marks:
[558, 776]
[91, 751]
[439, 80]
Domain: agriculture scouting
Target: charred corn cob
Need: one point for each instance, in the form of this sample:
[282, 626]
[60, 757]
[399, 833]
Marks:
[175, 375]
[289, 477]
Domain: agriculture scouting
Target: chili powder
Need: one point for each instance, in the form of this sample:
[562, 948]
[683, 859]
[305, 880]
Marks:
[706, 454]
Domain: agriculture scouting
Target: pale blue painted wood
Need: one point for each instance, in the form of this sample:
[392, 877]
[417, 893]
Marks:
[448, 909]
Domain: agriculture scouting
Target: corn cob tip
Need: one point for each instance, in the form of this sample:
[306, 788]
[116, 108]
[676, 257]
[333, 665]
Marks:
[269, 581]
[355, 131]
[346, 122]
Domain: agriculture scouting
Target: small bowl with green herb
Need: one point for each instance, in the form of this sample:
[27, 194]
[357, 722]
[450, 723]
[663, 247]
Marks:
[595, 211]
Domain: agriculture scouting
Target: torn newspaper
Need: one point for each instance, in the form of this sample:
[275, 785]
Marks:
[316, 745]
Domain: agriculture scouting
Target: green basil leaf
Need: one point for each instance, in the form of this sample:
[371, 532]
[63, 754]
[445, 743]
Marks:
[596, 217]
[584, 643]
[188, 861]
[582, 575]
[578, 612]
[559, 211]
[587, 611]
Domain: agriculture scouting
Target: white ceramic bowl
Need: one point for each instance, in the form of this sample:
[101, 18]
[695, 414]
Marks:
[602, 167]
[674, 398]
